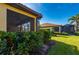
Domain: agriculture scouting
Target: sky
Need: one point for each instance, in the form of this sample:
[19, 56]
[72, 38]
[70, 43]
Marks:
[55, 13]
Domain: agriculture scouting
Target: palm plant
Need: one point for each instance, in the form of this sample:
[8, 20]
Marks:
[76, 20]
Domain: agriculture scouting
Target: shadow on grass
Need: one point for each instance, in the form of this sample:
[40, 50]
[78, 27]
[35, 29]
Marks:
[61, 48]
[65, 36]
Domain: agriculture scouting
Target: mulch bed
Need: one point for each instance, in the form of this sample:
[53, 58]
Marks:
[44, 49]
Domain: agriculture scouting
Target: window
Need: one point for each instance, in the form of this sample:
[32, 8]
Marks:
[26, 27]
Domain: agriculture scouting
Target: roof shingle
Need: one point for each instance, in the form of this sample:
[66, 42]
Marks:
[49, 25]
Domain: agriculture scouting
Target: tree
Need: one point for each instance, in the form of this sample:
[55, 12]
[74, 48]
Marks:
[75, 20]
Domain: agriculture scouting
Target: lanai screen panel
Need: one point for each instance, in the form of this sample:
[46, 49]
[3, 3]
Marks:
[15, 19]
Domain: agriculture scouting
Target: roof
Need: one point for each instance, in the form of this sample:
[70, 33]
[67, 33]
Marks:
[25, 8]
[49, 25]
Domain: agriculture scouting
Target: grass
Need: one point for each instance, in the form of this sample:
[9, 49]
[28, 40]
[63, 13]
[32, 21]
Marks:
[65, 45]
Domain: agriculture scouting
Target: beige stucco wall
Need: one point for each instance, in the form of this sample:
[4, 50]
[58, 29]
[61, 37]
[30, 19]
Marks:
[3, 26]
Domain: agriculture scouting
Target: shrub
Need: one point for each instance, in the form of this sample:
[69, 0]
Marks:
[22, 42]
[46, 35]
[10, 43]
[77, 33]
[34, 41]
[21, 49]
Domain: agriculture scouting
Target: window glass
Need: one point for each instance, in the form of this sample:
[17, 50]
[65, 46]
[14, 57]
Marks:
[26, 27]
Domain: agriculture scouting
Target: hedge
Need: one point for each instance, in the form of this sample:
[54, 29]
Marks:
[21, 43]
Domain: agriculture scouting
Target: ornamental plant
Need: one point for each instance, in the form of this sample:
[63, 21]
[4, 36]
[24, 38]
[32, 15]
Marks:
[21, 43]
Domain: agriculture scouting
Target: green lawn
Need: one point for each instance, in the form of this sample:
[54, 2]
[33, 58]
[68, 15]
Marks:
[65, 45]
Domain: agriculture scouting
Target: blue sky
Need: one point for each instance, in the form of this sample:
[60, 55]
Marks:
[56, 13]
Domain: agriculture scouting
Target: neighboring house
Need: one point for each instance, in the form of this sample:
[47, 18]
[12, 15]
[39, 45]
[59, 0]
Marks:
[51, 27]
[68, 28]
[16, 17]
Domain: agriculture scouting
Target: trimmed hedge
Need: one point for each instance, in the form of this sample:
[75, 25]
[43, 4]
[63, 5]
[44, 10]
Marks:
[20, 43]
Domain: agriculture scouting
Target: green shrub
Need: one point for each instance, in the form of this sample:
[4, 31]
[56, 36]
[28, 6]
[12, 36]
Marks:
[21, 49]
[22, 42]
[46, 35]
[77, 33]
[34, 40]
[9, 43]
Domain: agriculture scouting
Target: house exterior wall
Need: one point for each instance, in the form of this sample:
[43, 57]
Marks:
[3, 16]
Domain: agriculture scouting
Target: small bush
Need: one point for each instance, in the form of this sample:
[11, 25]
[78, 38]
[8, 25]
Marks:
[22, 42]
[46, 35]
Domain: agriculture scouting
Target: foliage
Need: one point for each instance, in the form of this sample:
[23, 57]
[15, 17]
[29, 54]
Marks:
[75, 20]
[46, 35]
[33, 40]
[22, 42]
[77, 33]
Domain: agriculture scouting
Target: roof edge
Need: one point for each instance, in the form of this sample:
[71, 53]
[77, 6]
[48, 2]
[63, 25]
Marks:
[26, 9]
